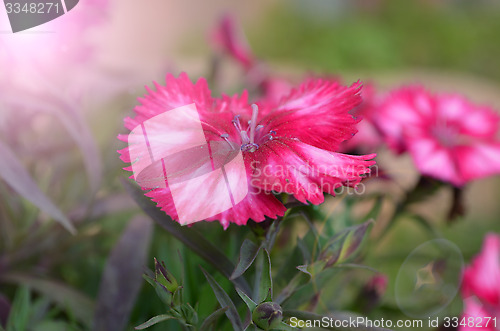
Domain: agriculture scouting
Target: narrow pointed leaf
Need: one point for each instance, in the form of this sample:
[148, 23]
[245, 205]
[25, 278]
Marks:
[19, 314]
[16, 176]
[5, 307]
[249, 302]
[189, 236]
[343, 245]
[266, 282]
[80, 132]
[153, 321]
[312, 269]
[71, 118]
[248, 253]
[212, 318]
[122, 278]
[225, 301]
[81, 306]
[354, 239]
[295, 283]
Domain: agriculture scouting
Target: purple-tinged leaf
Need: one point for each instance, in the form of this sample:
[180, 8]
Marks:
[354, 239]
[225, 301]
[153, 321]
[248, 253]
[122, 278]
[212, 318]
[343, 245]
[312, 269]
[4, 310]
[65, 111]
[17, 177]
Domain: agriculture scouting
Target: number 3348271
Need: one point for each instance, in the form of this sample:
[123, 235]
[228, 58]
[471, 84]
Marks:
[32, 8]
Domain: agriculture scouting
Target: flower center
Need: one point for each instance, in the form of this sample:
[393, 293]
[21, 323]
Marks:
[252, 136]
[446, 133]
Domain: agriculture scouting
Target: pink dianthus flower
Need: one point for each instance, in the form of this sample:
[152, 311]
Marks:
[288, 147]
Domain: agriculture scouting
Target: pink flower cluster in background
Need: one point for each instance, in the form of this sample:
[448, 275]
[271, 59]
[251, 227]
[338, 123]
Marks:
[448, 137]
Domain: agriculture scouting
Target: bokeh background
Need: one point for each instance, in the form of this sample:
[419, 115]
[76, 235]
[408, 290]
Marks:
[445, 45]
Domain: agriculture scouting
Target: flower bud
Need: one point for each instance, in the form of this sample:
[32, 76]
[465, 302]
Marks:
[165, 277]
[267, 315]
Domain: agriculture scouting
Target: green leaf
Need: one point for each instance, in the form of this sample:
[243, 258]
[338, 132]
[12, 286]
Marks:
[76, 302]
[185, 313]
[153, 321]
[249, 302]
[300, 279]
[18, 178]
[265, 284]
[189, 236]
[122, 277]
[343, 245]
[212, 318]
[248, 253]
[225, 301]
[20, 311]
[353, 240]
[312, 269]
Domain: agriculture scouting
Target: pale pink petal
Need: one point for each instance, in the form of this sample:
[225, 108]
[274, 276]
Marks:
[478, 160]
[401, 113]
[476, 121]
[434, 161]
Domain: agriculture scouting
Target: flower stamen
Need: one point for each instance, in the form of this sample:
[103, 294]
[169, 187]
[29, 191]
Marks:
[253, 124]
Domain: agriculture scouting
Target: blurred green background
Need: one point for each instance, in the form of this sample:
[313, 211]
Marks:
[447, 45]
